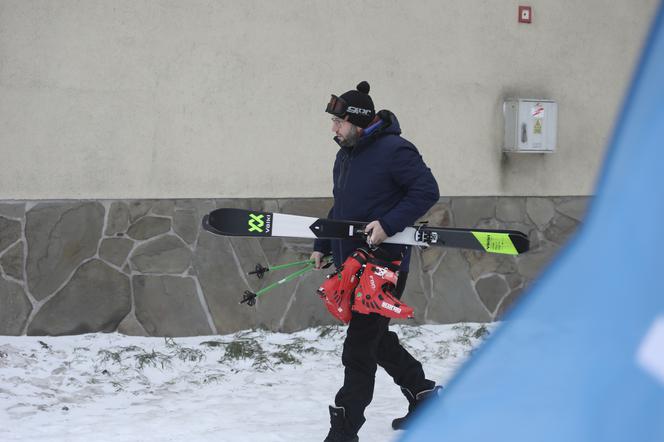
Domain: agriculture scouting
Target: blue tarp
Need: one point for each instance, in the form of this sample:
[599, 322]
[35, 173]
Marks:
[581, 358]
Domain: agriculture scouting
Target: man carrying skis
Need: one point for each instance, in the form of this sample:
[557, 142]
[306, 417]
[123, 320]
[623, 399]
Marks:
[379, 177]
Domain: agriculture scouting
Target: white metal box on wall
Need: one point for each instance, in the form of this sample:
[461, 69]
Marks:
[530, 125]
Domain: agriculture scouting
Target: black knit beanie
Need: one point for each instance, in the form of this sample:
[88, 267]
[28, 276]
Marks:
[360, 111]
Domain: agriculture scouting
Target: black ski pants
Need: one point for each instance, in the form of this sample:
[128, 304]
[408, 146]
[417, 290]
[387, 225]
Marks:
[369, 343]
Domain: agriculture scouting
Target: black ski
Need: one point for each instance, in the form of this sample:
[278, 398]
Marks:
[240, 222]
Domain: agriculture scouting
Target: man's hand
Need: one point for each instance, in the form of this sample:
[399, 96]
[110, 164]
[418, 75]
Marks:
[376, 233]
[317, 258]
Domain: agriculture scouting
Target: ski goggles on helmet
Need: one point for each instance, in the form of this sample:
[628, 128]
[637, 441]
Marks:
[337, 106]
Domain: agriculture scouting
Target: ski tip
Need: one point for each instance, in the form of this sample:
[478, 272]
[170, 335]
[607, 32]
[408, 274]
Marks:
[238, 222]
[205, 223]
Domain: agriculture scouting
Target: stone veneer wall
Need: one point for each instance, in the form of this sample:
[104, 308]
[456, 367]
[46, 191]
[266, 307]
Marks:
[145, 267]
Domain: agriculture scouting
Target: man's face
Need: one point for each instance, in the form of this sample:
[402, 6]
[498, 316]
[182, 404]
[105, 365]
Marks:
[346, 132]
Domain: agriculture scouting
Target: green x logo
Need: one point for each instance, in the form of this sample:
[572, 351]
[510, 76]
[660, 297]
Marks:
[256, 223]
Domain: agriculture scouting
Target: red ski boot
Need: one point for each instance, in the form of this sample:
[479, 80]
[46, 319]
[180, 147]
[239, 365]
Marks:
[374, 292]
[337, 290]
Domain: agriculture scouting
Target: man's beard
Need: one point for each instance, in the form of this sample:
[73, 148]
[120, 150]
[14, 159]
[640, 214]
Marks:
[352, 138]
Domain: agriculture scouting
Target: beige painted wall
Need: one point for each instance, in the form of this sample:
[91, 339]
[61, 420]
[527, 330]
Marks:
[155, 99]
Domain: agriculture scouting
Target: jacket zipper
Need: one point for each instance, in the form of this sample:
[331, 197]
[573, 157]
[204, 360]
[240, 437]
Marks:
[342, 181]
[344, 172]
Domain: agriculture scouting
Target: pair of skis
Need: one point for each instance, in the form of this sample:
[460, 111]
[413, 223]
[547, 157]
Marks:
[240, 222]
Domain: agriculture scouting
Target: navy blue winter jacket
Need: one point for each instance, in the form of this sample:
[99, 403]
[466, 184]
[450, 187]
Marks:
[381, 178]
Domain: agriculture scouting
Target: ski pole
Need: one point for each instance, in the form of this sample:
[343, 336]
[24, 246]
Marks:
[250, 297]
[259, 271]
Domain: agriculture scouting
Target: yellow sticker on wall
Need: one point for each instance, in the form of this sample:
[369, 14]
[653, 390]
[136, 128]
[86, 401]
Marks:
[538, 126]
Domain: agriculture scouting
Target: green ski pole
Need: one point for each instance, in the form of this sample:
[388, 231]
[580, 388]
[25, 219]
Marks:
[250, 297]
[260, 270]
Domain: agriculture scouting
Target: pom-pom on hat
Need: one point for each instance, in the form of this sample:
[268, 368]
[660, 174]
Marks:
[356, 105]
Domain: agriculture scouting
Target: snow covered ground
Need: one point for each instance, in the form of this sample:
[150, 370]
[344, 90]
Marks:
[250, 386]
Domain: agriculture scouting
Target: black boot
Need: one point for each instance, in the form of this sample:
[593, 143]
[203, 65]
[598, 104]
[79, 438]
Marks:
[339, 428]
[414, 401]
